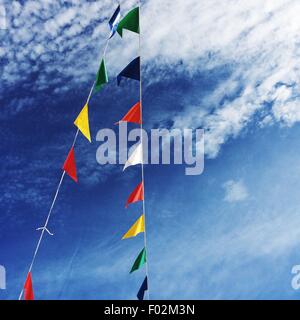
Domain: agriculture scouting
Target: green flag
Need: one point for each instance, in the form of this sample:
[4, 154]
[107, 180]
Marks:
[102, 77]
[130, 22]
[140, 261]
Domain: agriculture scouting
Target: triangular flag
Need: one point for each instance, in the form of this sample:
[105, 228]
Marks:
[143, 288]
[28, 289]
[137, 228]
[139, 261]
[70, 165]
[102, 77]
[130, 22]
[114, 21]
[136, 195]
[82, 122]
[132, 71]
[135, 158]
[134, 115]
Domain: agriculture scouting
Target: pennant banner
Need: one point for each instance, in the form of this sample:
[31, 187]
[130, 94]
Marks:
[135, 158]
[130, 22]
[137, 228]
[82, 122]
[70, 165]
[134, 115]
[136, 195]
[114, 22]
[132, 71]
[140, 261]
[143, 288]
[28, 288]
[102, 77]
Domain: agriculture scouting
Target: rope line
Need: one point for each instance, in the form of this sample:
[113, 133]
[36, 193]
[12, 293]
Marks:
[143, 175]
[44, 228]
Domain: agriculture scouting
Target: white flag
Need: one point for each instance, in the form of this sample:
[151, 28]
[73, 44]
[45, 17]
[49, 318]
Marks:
[136, 157]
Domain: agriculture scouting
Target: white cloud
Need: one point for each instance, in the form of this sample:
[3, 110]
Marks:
[235, 191]
[257, 42]
[3, 24]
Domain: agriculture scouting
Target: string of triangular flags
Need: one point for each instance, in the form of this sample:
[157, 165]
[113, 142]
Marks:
[69, 166]
[133, 71]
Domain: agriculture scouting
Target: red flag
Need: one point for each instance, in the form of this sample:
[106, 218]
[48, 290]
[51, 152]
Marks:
[28, 290]
[137, 195]
[133, 115]
[70, 165]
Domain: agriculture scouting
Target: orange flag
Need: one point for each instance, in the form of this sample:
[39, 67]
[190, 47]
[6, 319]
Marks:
[70, 165]
[28, 289]
[133, 115]
[136, 195]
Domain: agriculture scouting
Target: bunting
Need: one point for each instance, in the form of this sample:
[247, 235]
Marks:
[70, 165]
[134, 115]
[82, 122]
[102, 77]
[137, 228]
[135, 158]
[139, 261]
[28, 288]
[131, 71]
[136, 195]
[143, 288]
[130, 22]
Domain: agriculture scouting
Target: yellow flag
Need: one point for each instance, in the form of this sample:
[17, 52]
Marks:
[82, 122]
[138, 227]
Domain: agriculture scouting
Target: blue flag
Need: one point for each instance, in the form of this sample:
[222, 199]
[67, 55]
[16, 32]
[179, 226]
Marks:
[142, 290]
[114, 21]
[132, 71]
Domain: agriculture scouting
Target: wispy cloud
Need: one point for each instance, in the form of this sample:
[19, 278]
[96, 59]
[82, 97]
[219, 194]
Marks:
[235, 191]
[256, 43]
[3, 24]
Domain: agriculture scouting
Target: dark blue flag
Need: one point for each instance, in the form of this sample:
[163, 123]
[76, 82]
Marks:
[114, 21]
[142, 290]
[132, 71]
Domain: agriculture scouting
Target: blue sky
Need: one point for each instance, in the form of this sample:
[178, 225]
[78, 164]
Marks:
[229, 67]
